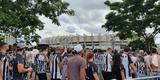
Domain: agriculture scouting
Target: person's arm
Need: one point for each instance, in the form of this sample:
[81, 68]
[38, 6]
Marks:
[46, 58]
[82, 73]
[21, 68]
[61, 65]
[60, 62]
[20, 65]
[134, 69]
[149, 63]
[1, 62]
[131, 64]
[122, 74]
[96, 76]
[82, 70]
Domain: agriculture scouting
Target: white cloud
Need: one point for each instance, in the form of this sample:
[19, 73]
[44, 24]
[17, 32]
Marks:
[71, 29]
[89, 16]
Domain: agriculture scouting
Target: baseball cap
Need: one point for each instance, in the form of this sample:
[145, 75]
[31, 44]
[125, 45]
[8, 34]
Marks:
[78, 48]
[21, 45]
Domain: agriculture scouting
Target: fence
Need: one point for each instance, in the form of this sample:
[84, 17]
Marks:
[146, 78]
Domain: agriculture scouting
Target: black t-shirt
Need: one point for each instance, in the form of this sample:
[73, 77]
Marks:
[116, 71]
[91, 69]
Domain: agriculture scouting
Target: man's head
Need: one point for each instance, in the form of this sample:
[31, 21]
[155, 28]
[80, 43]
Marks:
[141, 52]
[26, 48]
[79, 49]
[95, 51]
[60, 49]
[21, 47]
[126, 49]
[44, 50]
[109, 50]
[148, 52]
[4, 46]
[15, 47]
[154, 51]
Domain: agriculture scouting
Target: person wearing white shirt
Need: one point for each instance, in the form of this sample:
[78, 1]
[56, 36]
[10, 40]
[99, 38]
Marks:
[127, 63]
[107, 72]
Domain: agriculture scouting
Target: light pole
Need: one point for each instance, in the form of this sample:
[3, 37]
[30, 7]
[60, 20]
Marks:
[112, 40]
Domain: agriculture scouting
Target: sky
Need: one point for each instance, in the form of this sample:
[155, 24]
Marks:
[88, 19]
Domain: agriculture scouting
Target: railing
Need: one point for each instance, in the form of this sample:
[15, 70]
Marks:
[146, 78]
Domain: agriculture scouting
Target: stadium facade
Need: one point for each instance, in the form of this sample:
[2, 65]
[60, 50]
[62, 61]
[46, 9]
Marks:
[96, 41]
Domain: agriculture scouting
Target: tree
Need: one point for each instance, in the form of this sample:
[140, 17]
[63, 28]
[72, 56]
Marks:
[21, 17]
[1, 38]
[134, 16]
[137, 45]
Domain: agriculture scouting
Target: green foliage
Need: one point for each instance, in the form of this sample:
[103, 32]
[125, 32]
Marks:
[137, 45]
[134, 17]
[1, 38]
[21, 17]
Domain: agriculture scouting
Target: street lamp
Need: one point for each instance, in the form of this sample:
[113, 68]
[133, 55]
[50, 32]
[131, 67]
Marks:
[112, 40]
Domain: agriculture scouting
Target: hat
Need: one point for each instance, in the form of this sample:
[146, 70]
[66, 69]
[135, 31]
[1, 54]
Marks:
[21, 45]
[78, 48]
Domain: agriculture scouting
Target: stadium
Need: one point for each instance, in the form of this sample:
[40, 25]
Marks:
[92, 41]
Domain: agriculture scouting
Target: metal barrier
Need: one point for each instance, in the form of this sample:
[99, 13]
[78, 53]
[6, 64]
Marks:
[146, 78]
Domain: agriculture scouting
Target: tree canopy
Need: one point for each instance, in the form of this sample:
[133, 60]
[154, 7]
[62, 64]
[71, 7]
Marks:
[21, 17]
[129, 17]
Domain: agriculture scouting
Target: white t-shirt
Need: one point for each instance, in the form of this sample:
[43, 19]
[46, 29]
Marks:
[41, 64]
[109, 63]
[125, 63]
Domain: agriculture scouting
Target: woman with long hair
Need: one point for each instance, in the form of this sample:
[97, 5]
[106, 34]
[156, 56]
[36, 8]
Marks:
[92, 70]
[118, 70]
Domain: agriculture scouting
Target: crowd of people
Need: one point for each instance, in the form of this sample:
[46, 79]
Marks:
[18, 62]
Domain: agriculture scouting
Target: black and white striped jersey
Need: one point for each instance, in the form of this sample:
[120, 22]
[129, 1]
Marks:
[4, 66]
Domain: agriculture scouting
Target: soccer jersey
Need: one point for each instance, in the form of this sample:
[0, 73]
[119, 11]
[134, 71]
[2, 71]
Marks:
[4, 67]
[54, 66]
[42, 65]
